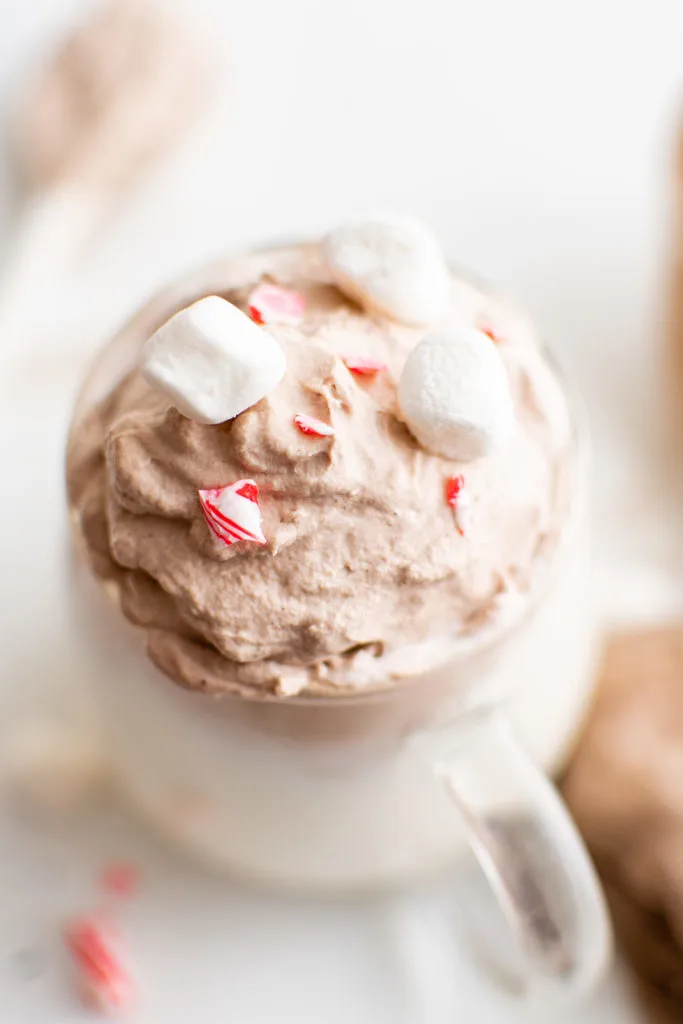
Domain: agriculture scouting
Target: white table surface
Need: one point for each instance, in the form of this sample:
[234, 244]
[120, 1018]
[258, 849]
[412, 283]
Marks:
[536, 138]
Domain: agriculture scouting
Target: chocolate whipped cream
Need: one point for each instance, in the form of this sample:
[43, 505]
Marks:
[364, 567]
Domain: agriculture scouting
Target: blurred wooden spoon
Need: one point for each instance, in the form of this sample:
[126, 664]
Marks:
[111, 101]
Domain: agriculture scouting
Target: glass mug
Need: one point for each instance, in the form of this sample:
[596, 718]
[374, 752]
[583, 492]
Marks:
[341, 793]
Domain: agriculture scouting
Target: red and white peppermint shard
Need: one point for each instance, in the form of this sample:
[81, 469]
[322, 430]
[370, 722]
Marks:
[271, 304]
[363, 367]
[232, 512]
[459, 500]
[103, 979]
[310, 425]
[491, 333]
[120, 879]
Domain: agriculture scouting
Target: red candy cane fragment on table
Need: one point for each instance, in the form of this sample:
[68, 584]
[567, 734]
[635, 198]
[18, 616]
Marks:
[120, 879]
[103, 979]
[232, 512]
[459, 500]
[310, 425]
[271, 304]
[363, 367]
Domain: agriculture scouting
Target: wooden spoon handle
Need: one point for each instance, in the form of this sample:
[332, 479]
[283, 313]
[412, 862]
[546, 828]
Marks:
[48, 237]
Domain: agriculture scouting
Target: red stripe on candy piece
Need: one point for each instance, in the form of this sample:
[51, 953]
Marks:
[230, 526]
[225, 525]
[454, 485]
[90, 947]
[271, 304]
[310, 425]
[220, 528]
[213, 524]
[120, 879]
[363, 367]
[491, 333]
[240, 500]
[102, 975]
[249, 490]
[212, 527]
[459, 501]
[220, 533]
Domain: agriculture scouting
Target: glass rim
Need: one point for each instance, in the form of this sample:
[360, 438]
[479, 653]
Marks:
[187, 289]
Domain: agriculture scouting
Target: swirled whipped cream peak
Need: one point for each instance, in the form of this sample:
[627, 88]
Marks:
[310, 543]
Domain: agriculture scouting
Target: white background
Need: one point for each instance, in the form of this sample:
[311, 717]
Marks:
[537, 138]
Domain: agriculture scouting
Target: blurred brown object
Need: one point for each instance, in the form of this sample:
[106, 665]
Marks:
[113, 97]
[625, 788]
[675, 362]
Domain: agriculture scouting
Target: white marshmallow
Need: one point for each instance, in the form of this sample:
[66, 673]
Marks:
[212, 361]
[391, 264]
[455, 396]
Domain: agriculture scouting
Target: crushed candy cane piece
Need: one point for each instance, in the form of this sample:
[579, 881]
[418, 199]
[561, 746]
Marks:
[454, 485]
[459, 500]
[120, 879]
[491, 333]
[103, 979]
[462, 514]
[363, 367]
[310, 425]
[232, 512]
[271, 304]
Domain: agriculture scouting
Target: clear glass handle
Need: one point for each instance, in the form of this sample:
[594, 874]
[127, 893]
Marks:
[532, 856]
